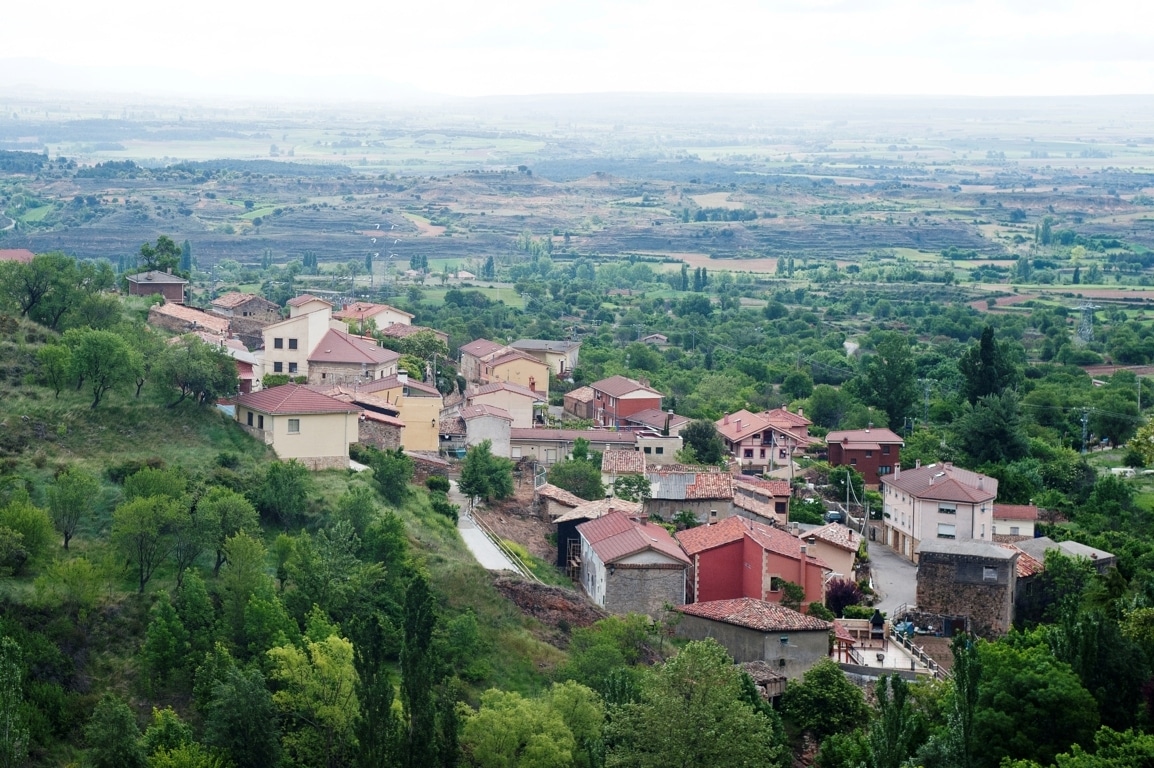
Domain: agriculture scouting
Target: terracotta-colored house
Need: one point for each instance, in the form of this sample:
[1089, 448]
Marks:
[483, 362]
[763, 442]
[617, 398]
[740, 558]
[301, 424]
[631, 566]
[154, 283]
[872, 452]
[836, 545]
[471, 355]
[363, 313]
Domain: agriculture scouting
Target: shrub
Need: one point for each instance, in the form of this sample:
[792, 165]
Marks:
[438, 483]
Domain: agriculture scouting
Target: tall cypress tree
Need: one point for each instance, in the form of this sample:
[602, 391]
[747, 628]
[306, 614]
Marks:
[418, 675]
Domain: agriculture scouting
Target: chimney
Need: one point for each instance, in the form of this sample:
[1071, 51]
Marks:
[981, 483]
[403, 377]
[917, 463]
[932, 479]
[800, 412]
[869, 426]
[739, 425]
[897, 470]
[726, 419]
[169, 270]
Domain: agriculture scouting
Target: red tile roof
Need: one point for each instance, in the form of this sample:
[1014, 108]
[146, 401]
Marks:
[402, 331]
[736, 426]
[560, 495]
[394, 381]
[944, 482]
[690, 483]
[591, 510]
[873, 435]
[233, 299]
[507, 355]
[620, 462]
[784, 416]
[756, 614]
[477, 411]
[365, 310]
[341, 347]
[480, 348]
[292, 399]
[594, 436]
[383, 418]
[775, 488]
[619, 386]
[305, 298]
[196, 317]
[581, 395]
[769, 538]
[1015, 512]
[22, 255]
[617, 536]
[1027, 565]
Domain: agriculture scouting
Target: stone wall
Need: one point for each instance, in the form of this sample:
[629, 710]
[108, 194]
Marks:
[378, 435]
[644, 589]
[701, 509]
[961, 585]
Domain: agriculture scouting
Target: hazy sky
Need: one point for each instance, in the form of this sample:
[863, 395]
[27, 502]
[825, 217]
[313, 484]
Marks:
[468, 48]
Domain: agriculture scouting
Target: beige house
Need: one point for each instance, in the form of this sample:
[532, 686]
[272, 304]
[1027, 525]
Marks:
[836, 544]
[937, 501]
[1014, 522]
[487, 422]
[301, 424]
[548, 446]
[521, 403]
[362, 314]
[287, 344]
[484, 362]
[470, 358]
[342, 358]
[419, 405]
[561, 356]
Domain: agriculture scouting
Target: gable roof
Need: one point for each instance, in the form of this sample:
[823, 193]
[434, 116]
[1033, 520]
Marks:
[973, 548]
[560, 495]
[341, 347]
[1027, 564]
[402, 331]
[786, 417]
[480, 348]
[394, 381]
[366, 310]
[591, 510]
[655, 417]
[835, 534]
[775, 488]
[735, 426]
[692, 483]
[1015, 512]
[868, 436]
[769, 538]
[580, 395]
[477, 411]
[760, 615]
[22, 255]
[156, 278]
[944, 482]
[617, 536]
[234, 299]
[544, 345]
[506, 355]
[197, 317]
[305, 298]
[619, 386]
[292, 399]
[504, 386]
[622, 462]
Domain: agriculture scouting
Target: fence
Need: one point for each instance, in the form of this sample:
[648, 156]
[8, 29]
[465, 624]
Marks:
[513, 558]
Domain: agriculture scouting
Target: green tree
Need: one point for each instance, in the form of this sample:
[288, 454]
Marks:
[283, 493]
[28, 531]
[797, 384]
[55, 366]
[584, 714]
[13, 729]
[242, 577]
[824, 702]
[987, 368]
[510, 731]
[71, 498]
[701, 436]
[691, 714]
[143, 529]
[484, 475]
[888, 379]
[242, 719]
[113, 737]
[164, 256]
[991, 431]
[231, 513]
[317, 692]
[419, 675]
[357, 507]
[378, 731]
[898, 730]
[102, 359]
[197, 370]
[580, 478]
[632, 487]
[152, 481]
[166, 645]
[392, 471]
[166, 732]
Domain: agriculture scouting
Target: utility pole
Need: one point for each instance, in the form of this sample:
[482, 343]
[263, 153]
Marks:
[927, 385]
[1085, 428]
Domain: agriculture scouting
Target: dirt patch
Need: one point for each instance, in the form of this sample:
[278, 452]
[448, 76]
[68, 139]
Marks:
[1002, 302]
[514, 519]
[558, 609]
[424, 228]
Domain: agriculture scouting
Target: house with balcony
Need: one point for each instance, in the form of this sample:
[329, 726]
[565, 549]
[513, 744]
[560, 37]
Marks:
[936, 501]
[617, 398]
[560, 356]
[872, 452]
[764, 442]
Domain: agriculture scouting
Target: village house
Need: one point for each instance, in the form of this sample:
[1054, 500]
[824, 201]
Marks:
[363, 316]
[154, 283]
[287, 344]
[617, 398]
[342, 358]
[762, 442]
[177, 318]
[418, 405]
[19, 255]
[975, 581]
[706, 492]
[740, 558]
[483, 362]
[1038, 547]
[762, 501]
[937, 501]
[872, 452]
[579, 403]
[758, 630]
[470, 356]
[552, 502]
[615, 464]
[834, 544]
[245, 305]
[522, 403]
[560, 356]
[487, 422]
[548, 446]
[655, 339]
[568, 539]
[299, 423]
[1014, 522]
[631, 566]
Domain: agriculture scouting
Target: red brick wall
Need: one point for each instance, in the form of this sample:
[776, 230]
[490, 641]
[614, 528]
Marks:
[866, 465]
[719, 573]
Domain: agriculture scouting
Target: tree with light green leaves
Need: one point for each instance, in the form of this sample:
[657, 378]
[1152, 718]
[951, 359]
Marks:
[71, 498]
[511, 731]
[144, 531]
[102, 360]
[317, 695]
[484, 475]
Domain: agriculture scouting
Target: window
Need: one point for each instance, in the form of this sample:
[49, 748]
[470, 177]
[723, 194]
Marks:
[1015, 530]
[250, 418]
[292, 367]
[515, 452]
[885, 450]
[660, 450]
[947, 509]
[885, 470]
[989, 574]
[292, 343]
[648, 449]
[761, 453]
[869, 454]
[853, 462]
[278, 343]
[749, 453]
[947, 531]
[775, 583]
[278, 367]
[260, 422]
[294, 426]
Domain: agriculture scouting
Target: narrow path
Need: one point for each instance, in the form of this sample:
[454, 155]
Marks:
[484, 550]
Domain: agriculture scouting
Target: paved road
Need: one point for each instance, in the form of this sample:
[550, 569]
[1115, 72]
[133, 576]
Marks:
[894, 577]
[484, 550]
